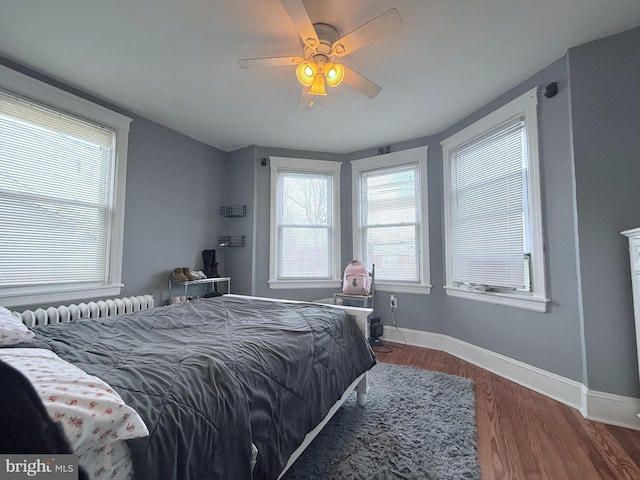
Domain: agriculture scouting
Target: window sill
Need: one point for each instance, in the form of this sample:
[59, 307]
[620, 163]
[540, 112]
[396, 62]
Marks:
[423, 289]
[296, 284]
[523, 300]
[13, 297]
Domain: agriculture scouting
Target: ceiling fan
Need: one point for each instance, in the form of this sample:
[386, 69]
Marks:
[321, 46]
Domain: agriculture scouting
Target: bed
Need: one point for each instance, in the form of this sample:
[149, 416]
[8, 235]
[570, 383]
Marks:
[227, 387]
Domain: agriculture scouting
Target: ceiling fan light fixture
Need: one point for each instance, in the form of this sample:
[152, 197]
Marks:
[334, 73]
[306, 73]
[317, 87]
[321, 44]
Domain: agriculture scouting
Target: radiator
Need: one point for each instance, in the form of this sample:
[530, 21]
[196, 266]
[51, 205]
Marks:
[98, 309]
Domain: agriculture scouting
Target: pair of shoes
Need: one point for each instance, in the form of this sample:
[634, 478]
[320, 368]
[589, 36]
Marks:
[199, 275]
[183, 274]
[178, 275]
[188, 274]
[175, 300]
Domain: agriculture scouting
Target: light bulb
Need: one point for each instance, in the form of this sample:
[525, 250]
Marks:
[306, 72]
[334, 73]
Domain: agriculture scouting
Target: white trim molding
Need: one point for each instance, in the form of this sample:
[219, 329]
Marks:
[610, 408]
[602, 407]
[524, 301]
[293, 284]
[421, 289]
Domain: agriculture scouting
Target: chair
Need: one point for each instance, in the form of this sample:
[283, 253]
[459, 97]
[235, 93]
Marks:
[365, 301]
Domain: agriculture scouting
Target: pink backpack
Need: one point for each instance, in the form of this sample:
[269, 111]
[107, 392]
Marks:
[356, 279]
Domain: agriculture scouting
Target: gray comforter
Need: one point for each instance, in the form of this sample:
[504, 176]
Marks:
[210, 377]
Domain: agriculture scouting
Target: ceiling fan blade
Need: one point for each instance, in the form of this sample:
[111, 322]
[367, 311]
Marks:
[300, 18]
[371, 31]
[360, 83]
[269, 62]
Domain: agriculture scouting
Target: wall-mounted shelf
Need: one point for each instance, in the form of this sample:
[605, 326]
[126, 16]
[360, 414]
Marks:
[233, 211]
[231, 241]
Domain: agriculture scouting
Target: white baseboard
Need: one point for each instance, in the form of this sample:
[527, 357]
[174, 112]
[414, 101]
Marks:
[599, 406]
[612, 409]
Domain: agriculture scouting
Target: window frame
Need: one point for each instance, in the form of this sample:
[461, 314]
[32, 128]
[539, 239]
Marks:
[391, 160]
[55, 98]
[524, 106]
[302, 166]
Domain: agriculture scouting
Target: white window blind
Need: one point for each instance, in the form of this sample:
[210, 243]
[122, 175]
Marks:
[56, 183]
[390, 222]
[488, 201]
[304, 225]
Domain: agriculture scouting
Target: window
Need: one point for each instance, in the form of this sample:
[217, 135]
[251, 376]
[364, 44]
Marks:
[493, 221]
[390, 219]
[305, 223]
[62, 177]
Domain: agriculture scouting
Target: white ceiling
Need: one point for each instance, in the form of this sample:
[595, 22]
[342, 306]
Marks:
[175, 62]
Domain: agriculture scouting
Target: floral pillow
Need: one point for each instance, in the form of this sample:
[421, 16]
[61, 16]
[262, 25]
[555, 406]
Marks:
[12, 330]
[91, 413]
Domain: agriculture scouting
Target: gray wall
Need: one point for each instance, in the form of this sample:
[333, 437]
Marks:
[239, 262]
[552, 340]
[174, 188]
[605, 109]
[589, 147]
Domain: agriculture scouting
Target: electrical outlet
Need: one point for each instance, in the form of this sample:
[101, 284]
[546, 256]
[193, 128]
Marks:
[393, 302]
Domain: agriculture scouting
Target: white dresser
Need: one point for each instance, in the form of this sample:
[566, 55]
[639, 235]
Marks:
[634, 255]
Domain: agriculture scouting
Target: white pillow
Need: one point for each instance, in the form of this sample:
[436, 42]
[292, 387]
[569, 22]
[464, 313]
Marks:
[92, 413]
[12, 330]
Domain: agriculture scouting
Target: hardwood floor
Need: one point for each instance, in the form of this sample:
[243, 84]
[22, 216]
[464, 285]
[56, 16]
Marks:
[525, 435]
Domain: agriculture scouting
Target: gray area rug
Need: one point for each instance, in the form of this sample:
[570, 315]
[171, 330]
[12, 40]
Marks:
[417, 424]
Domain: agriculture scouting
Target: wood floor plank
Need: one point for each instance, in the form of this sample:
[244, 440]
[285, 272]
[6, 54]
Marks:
[562, 452]
[605, 452]
[501, 461]
[524, 425]
[628, 440]
[524, 435]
